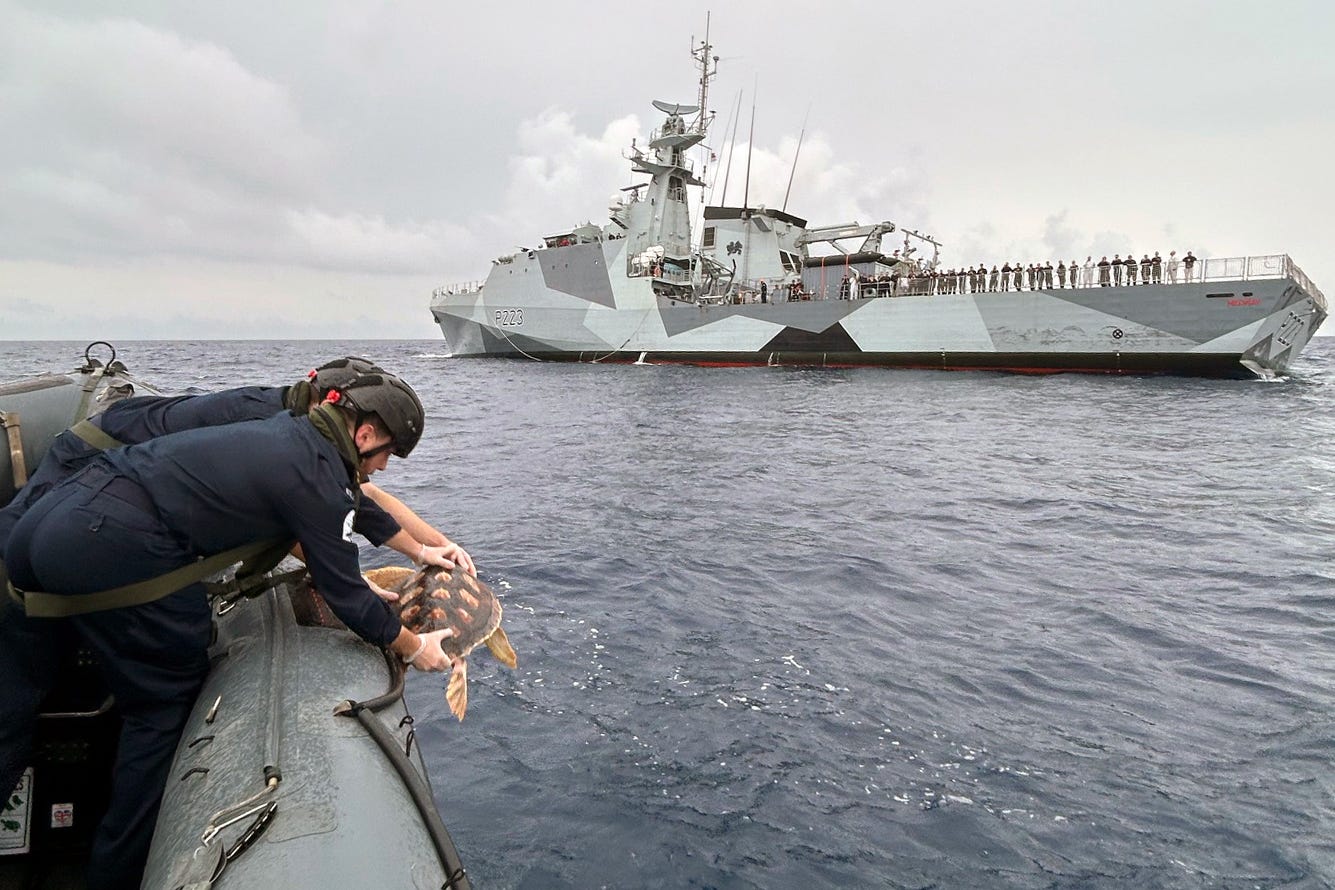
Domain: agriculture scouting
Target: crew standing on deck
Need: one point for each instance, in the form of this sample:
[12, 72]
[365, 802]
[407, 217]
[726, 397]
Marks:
[1189, 267]
[137, 513]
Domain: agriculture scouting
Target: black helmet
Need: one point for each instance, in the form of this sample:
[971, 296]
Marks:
[393, 401]
[340, 372]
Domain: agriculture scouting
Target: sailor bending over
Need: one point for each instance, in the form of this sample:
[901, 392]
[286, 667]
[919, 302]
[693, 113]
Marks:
[137, 513]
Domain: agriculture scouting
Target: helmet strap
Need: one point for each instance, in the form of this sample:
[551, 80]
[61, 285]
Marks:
[376, 452]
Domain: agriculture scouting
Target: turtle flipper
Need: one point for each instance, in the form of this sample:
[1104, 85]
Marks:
[388, 576]
[456, 693]
[499, 644]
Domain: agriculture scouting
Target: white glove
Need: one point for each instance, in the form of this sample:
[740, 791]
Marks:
[429, 655]
[388, 596]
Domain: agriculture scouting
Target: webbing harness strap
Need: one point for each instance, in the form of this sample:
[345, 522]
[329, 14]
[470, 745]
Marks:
[55, 605]
[95, 436]
[89, 387]
[18, 466]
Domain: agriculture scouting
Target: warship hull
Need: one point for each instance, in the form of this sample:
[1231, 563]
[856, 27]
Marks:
[1230, 329]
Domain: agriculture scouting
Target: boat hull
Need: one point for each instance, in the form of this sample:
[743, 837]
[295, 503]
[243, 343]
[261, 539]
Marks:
[1230, 329]
[343, 816]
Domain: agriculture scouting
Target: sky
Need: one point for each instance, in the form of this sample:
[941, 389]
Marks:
[314, 169]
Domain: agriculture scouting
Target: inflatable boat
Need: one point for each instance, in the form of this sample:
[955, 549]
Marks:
[298, 767]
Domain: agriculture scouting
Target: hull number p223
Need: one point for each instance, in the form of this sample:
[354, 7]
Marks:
[509, 318]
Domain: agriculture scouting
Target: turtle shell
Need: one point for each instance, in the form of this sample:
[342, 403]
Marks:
[436, 598]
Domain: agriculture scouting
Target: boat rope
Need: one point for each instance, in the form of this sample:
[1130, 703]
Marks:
[456, 878]
[508, 339]
[643, 318]
[518, 348]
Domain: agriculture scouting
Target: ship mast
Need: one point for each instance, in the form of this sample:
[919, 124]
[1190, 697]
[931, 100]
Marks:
[708, 71]
[658, 224]
[708, 64]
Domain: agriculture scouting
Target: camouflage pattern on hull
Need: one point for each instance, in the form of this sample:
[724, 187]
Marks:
[1185, 329]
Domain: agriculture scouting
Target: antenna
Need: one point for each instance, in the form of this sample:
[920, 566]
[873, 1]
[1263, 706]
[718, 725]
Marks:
[750, 145]
[701, 54]
[746, 192]
[796, 155]
[732, 145]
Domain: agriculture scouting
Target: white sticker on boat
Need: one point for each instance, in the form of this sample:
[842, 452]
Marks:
[62, 815]
[16, 817]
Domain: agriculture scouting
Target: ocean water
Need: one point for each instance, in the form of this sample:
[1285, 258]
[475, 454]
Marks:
[867, 628]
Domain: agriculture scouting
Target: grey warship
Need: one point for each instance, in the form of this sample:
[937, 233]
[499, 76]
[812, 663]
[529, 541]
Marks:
[761, 287]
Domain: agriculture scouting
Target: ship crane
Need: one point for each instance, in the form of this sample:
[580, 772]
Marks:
[832, 235]
[936, 246]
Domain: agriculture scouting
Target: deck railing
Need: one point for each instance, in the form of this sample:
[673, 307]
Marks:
[1211, 269]
[1244, 268]
[449, 290]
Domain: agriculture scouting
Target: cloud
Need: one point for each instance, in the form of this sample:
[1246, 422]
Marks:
[1059, 236]
[1054, 238]
[825, 189]
[124, 141]
[370, 244]
[92, 95]
[560, 177]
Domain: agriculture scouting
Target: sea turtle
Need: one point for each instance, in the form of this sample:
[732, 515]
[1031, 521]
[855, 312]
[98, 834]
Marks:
[434, 599]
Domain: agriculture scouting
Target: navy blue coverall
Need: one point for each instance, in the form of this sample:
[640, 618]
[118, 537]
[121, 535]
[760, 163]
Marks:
[136, 513]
